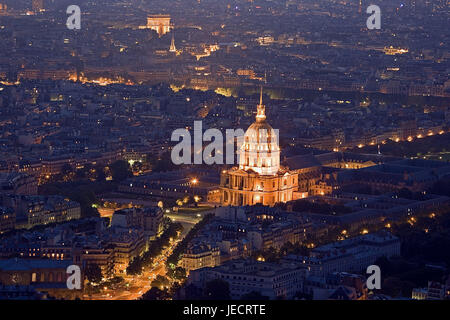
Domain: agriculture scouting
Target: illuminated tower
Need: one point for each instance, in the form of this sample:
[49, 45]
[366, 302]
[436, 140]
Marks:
[172, 43]
[3, 7]
[360, 6]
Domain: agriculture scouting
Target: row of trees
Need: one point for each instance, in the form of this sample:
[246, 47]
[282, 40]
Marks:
[83, 185]
[274, 255]
[162, 288]
[154, 249]
[118, 170]
[83, 192]
[93, 273]
[418, 147]
[427, 240]
[173, 259]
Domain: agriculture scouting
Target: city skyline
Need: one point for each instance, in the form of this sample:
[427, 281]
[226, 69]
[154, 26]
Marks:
[193, 150]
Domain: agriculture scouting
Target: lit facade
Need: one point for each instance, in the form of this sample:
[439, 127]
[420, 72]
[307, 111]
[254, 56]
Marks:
[200, 256]
[43, 275]
[159, 23]
[280, 280]
[259, 177]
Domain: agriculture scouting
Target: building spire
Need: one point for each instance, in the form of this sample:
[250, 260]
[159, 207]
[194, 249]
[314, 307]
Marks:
[260, 97]
[172, 44]
[261, 109]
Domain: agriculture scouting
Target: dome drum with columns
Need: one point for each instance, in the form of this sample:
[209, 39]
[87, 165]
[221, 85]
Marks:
[259, 177]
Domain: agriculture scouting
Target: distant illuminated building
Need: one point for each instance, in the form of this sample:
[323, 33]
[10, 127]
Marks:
[3, 7]
[259, 177]
[172, 44]
[440, 5]
[160, 23]
[391, 51]
[38, 5]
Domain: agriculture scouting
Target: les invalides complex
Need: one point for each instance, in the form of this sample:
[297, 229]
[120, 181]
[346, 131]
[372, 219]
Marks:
[259, 177]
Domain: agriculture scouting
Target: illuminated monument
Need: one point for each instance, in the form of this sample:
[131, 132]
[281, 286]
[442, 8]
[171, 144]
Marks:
[259, 177]
[173, 49]
[160, 23]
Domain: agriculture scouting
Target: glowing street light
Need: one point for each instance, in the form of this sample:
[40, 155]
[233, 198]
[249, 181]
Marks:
[194, 182]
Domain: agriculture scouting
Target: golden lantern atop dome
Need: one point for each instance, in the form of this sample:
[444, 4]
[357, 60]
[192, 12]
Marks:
[261, 109]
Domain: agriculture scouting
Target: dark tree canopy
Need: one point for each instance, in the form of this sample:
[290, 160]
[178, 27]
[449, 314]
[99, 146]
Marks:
[93, 273]
[217, 290]
[155, 294]
[160, 282]
[120, 170]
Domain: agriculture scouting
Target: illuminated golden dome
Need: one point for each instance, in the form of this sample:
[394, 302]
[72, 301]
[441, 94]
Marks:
[260, 151]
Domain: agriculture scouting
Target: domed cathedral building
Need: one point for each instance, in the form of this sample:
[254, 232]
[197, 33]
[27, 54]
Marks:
[259, 177]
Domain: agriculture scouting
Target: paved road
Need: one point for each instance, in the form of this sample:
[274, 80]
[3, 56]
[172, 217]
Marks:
[140, 284]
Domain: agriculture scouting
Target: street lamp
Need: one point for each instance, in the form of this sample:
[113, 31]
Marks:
[194, 182]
